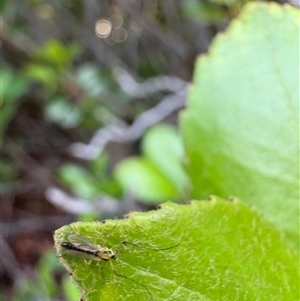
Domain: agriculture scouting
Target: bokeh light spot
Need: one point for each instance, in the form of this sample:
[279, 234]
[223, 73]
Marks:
[45, 11]
[117, 20]
[119, 34]
[103, 28]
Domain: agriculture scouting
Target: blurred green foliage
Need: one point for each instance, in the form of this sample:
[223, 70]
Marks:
[52, 61]
[91, 181]
[13, 87]
[43, 285]
[203, 11]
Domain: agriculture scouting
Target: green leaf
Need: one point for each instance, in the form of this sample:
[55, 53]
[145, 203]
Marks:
[89, 79]
[145, 180]
[226, 252]
[63, 112]
[70, 291]
[229, 3]
[42, 285]
[58, 55]
[158, 175]
[2, 6]
[45, 277]
[241, 126]
[201, 11]
[43, 74]
[80, 180]
[163, 146]
[13, 86]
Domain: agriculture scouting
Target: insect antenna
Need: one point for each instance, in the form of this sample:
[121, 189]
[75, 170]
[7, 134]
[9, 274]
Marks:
[125, 277]
[147, 248]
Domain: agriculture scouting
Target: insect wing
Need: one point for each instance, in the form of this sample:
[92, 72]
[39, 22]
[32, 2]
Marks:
[81, 247]
[79, 253]
[81, 242]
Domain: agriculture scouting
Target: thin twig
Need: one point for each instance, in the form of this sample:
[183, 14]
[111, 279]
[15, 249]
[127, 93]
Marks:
[33, 224]
[72, 205]
[148, 87]
[121, 134]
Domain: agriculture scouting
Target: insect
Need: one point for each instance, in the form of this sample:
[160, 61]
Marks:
[82, 247]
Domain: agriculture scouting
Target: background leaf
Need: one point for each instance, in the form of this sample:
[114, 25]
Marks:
[163, 146]
[79, 180]
[13, 87]
[201, 11]
[158, 175]
[141, 177]
[227, 251]
[241, 127]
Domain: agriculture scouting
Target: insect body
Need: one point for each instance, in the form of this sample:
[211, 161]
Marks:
[80, 246]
